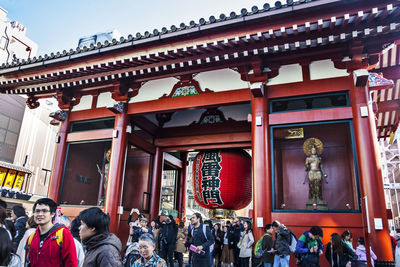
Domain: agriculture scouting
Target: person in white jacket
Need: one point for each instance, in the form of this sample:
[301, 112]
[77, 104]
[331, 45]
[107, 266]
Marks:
[79, 248]
[30, 228]
[246, 245]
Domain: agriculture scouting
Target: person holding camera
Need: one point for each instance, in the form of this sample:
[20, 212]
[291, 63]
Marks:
[281, 245]
[138, 227]
[309, 247]
[167, 238]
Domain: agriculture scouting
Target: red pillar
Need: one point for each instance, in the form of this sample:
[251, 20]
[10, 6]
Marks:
[156, 183]
[116, 171]
[181, 203]
[370, 171]
[57, 168]
[262, 193]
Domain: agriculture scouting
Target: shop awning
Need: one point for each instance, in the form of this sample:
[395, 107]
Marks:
[12, 181]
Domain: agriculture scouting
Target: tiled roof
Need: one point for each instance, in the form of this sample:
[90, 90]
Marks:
[156, 34]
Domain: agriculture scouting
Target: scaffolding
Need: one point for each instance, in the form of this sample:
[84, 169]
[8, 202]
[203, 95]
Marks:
[390, 161]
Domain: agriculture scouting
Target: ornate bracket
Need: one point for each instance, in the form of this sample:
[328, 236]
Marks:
[356, 62]
[59, 115]
[66, 100]
[258, 75]
[211, 116]
[118, 108]
[121, 91]
[162, 118]
[32, 102]
[185, 87]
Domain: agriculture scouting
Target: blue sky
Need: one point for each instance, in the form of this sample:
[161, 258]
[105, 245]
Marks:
[56, 25]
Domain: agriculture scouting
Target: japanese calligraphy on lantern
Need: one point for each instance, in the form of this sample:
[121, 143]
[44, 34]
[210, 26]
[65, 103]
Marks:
[197, 181]
[222, 179]
[210, 181]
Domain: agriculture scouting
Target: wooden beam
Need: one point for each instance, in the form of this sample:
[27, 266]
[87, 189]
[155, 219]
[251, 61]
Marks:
[142, 144]
[174, 161]
[90, 114]
[202, 147]
[90, 135]
[203, 129]
[204, 139]
[239, 96]
[145, 124]
[311, 115]
[389, 105]
[309, 87]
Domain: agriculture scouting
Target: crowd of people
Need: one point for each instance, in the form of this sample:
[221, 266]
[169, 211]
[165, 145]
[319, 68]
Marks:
[47, 240]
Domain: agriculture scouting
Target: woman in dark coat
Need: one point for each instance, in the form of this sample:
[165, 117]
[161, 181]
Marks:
[218, 237]
[338, 253]
[102, 248]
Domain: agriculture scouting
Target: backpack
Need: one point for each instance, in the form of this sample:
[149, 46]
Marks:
[258, 251]
[131, 255]
[293, 242]
[59, 237]
[300, 257]
[205, 235]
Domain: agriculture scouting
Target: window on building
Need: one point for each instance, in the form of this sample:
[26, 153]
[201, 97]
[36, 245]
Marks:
[320, 101]
[89, 125]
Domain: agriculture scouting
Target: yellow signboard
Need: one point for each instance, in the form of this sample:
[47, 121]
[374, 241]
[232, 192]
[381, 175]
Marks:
[19, 181]
[3, 173]
[10, 178]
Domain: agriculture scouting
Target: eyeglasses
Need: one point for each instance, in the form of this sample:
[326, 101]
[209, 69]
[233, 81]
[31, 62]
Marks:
[41, 211]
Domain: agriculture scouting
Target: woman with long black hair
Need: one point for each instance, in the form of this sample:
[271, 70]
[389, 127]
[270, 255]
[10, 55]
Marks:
[338, 253]
[7, 258]
[219, 238]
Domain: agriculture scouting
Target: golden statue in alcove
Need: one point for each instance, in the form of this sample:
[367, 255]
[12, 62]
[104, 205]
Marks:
[313, 148]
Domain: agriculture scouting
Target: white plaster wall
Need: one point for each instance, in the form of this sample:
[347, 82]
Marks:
[324, 69]
[153, 90]
[37, 141]
[221, 80]
[105, 100]
[287, 74]
[217, 81]
[85, 103]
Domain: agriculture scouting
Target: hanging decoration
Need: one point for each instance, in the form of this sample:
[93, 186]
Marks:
[222, 179]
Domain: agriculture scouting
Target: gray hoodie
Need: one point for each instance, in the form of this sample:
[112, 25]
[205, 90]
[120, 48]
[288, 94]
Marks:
[103, 250]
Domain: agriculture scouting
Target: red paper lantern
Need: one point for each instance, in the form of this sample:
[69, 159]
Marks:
[222, 179]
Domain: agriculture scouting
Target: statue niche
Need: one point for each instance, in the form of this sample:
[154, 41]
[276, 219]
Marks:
[315, 173]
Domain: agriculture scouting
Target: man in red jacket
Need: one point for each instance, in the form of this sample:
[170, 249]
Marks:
[51, 244]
